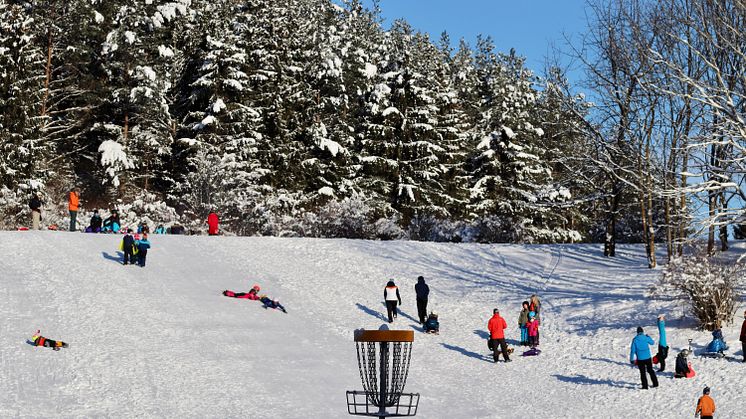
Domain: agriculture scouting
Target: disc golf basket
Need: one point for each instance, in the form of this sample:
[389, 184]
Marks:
[383, 359]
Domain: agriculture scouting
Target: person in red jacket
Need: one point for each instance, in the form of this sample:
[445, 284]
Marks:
[743, 336]
[212, 223]
[497, 326]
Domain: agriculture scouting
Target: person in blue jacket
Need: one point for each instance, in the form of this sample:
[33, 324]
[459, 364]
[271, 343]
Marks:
[662, 345]
[142, 249]
[640, 349]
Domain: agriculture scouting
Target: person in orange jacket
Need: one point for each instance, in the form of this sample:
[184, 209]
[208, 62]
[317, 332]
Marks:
[705, 405]
[497, 326]
[72, 204]
[212, 224]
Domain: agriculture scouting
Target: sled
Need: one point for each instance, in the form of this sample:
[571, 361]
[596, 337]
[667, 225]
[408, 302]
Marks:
[532, 352]
[716, 355]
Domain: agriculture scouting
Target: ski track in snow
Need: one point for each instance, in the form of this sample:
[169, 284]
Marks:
[162, 341]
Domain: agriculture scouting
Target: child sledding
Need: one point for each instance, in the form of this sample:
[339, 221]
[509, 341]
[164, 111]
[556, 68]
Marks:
[717, 347]
[683, 366]
[253, 294]
[431, 324]
[38, 340]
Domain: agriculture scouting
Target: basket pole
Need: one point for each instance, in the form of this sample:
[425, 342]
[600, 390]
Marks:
[384, 368]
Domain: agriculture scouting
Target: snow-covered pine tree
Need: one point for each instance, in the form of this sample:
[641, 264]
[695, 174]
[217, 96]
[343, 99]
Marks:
[24, 155]
[513, 183]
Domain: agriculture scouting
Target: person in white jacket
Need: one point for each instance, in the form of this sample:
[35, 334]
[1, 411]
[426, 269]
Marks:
[391, 295]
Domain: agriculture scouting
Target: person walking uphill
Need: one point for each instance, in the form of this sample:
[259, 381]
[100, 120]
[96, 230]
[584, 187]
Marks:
[497, 326]
[391, 295]
[743, 336]
[423, 291]
[640, 350]
[662, 345]
[705, 405]
[212, 224]
[72, 204]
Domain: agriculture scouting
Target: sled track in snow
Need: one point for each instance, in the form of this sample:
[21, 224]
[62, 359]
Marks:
[548, 274]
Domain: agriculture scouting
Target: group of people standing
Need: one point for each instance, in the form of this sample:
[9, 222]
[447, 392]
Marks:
[392, 299]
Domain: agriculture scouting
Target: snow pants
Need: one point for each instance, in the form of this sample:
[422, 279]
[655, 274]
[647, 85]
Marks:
[129, 256]
[524, 335]
[498, 346]
[662, 355]
[36, 220]
[391, 309]
[141, 255]
[422, 309]
[743, 348]
[73, 220]
[647, 365]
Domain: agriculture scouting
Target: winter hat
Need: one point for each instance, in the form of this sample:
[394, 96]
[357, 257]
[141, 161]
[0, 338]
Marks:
[137, 236]
[639, 330]
[420, 278]
[525, 303]
[661, 316]
[391, 283]
[706, 390]
[256, 287]
[495, 311]
[531, 314]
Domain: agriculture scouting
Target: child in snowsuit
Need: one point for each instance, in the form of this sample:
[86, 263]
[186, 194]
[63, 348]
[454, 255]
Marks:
[718, 343]
[683, 368]
[270, 303]
[522, 320]
[128, 247]
[535, 306]
[142, 250]
[251, 295]
[662, 354]
[39, 340]
[532, 328]
[431, 324]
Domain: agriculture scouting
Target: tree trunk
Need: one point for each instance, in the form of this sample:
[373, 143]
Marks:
[48, 75]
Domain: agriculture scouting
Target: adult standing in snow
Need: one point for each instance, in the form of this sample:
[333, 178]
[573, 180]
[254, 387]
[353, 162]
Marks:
[743, 336]
[640, 350]
[662, 346]
[73, 201]
[35, 205]
[705, 405]
[423, 291]
[497, 326]
[212, 224]
[391, 295]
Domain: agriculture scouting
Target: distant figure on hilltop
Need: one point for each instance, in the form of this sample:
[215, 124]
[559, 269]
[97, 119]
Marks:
[641, 351]
[391, 296]
[212, 224]
[35, 205]
[96, 222]
[73, 201]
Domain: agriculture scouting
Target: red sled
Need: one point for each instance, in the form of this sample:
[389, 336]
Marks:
[22, 228]
[655, 359]
[691, 372]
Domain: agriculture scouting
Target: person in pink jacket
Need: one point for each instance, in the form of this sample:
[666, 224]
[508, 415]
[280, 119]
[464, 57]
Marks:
[533, 330]
[253, 293]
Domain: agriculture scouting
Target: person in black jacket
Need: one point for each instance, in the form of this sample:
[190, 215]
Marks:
[422, 291]
[128, 247]
[95, 222]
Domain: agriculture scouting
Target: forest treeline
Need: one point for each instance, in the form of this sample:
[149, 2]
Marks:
[309, 118]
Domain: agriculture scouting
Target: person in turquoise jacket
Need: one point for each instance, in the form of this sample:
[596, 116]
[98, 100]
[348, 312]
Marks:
[142, 249]
[662, 354]
[640, 349]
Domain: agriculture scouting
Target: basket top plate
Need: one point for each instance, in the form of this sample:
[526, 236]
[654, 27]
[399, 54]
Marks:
[363, 335]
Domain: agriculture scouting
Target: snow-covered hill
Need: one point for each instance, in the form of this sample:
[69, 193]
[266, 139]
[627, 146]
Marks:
[162, 341]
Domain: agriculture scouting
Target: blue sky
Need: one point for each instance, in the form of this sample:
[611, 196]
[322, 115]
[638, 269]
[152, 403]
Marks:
[529, 26]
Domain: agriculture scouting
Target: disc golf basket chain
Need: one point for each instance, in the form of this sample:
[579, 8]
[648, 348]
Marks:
[383, 358]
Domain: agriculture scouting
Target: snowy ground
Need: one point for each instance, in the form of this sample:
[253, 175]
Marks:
[163, 342]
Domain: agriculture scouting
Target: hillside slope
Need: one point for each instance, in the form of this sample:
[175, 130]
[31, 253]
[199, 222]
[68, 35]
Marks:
[162, 341]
